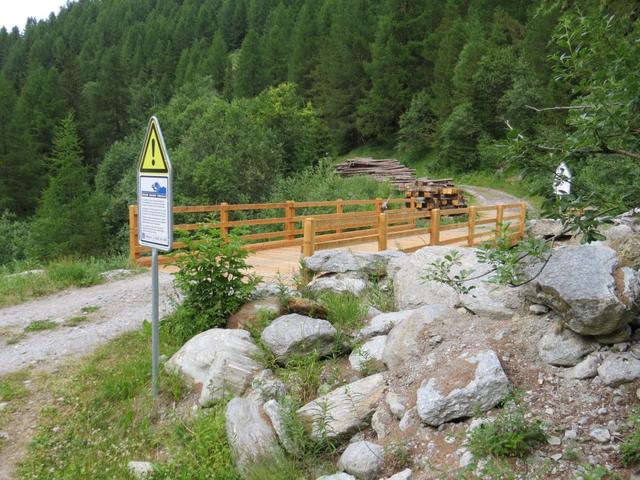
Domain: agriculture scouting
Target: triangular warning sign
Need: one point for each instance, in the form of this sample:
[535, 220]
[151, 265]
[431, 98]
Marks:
[154, 158]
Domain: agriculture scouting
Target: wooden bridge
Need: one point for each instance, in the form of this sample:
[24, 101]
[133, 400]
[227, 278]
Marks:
[279, 234]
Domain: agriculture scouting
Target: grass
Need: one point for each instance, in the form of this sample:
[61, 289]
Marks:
[75, 321]
[90, 309]
[16, 287]
[12, 386]
[40, 325]
[630, 448]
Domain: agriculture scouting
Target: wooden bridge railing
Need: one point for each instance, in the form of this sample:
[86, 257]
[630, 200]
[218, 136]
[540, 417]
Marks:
[350, 222]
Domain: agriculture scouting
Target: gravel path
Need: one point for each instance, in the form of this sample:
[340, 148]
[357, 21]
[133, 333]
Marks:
[111, 309]
[488, 196]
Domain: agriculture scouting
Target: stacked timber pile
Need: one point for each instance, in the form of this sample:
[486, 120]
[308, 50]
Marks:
[432, 193]
[388, 169]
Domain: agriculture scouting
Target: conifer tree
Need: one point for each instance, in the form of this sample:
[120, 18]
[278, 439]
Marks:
[250, 74]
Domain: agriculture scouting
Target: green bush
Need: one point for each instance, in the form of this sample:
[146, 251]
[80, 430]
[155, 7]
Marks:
[14, 234]
[215, 282]
[630, 449]
[510, 435]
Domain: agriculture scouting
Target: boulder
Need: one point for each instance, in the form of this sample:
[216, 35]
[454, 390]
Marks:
[382, 421]
[265, 386]
[274, 411]
[587, 368]
[267, 289]
[362, 459]
[339, 283]
[403, 475]
[249, 433]
[297, 334]
[382, 324]
[564, 349]
[461, 388]
[619, 368]
[246, 316]
[219, 361]
[342, 261]
[406, 340]
[368, 357]
[543, 228]
[397, 404]
[618, 336]
[344, 410]
[585, 285]
[306, 306]
[413, 291]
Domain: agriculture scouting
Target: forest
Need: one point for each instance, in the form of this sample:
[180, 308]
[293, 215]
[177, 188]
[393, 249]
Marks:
[256, 97]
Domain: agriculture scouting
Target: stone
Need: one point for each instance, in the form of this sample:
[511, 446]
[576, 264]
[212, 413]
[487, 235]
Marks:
[297, 334]
[248, 313]
[405, 343]
[403, 475]
[409, 419]
[219, 361]
[364, 460]
[629, 253]
[381, 422]
[344, 410]
[587, 368]
[265, 386]
[342, 261]
[461, 388]
[601, 435]
[140, 469]
[570, 434]
[564, 349]
[268, 289]
[586, 286]
[466, 458]
[397, 404]
[368, 357]
[413, 291]
[273, 410]
[337, 476]
[3, 406]
[249, 434]
[382, 324]
[619, 336]
[619, 368]
[372, 312]
[538, 309]
[338, 283]
[543, 227]
[554, 441]
[306, 306]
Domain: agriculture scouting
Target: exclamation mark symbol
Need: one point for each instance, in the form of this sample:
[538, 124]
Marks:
[153, 152]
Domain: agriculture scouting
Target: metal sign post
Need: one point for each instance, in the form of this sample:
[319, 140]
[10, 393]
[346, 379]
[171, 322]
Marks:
[155, 222]
[562, 180]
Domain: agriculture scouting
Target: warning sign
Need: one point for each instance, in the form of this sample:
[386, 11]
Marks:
[154, 157]
[155, 200]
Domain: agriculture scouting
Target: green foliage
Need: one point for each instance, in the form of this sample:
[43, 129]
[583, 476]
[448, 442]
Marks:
[214, 281]
[630, 448]
[509, 435]
[345, 311]
[597, 472]
[39, 325]
[459, 138]
[417, 125]
[14, 233]
[12, 387]
[442, 271]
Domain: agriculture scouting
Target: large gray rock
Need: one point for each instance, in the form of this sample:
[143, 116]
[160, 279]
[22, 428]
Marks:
[220, 361]
[265, 386]
[368, 357]
[412, 291]
[587, 368]
[461, 388]
[362, 459]
[405, 343]
[344, 410]
[564, 349]
[543, 227]
[297, 334]
[275, 412]
[403, 475]
[339, 283]
[619, 336]
[584, 284]
[341, 261]
[382, 324]
[619, 368]
[249, 433]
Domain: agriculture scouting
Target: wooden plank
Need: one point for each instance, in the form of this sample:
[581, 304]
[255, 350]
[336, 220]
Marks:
[449, 241]
[345, 243]
[345, 235]
[452, 226]
[273, 245]
[196, 208]
[486, 221]
[256, 206]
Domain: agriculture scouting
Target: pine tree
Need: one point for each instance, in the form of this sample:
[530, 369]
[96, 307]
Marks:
[276, 44]
[250, 76]
[305, 41]
[67, 221]
[217, 61]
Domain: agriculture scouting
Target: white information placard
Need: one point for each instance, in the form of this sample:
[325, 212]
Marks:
[155, 212]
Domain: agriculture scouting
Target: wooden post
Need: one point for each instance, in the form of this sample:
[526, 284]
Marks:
[413, 210]
[289, 213]
[382, 232]
[224, 218]
[522, 220]
[378, 206]
[339, 211]
[435, 227]
[133, 233]
[308, 243]
[499, 217]
[472, 226]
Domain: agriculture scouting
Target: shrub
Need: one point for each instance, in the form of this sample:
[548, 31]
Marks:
[630, 449]
[510, 435]
[13, 233]
[214, 280]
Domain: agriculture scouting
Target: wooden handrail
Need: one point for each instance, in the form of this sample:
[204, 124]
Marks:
[314, 231]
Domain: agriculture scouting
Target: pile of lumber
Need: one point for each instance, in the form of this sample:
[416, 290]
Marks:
[388, 169]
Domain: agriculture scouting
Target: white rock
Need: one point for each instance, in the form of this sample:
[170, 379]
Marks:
[274, 411]
[466, 458]
[381, 422]
[368, 357]
[337, 476]
[437, 404]
[538, 309]
[619, 368]
[554, 441]
[3, 405]
[587, 368]
[220, 360]
[564, 349]
[339, 283]
[140, 469]
[265, 386]
[298, 334]
[382, 324]
[403, 475]
[409, 419]
[601, 435]
[362, 459]
[397, 404]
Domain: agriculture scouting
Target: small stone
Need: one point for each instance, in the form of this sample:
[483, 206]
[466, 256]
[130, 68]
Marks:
[603, 411]
[556, 457]
[538, 309]
[555, 441]
[612, 427]
[362, 459]
[638, 393]
[620, 347]
[435, 340]
[3, 406]
[601, 435]
[409, 419]
[403, 475]
[466, 459]
[570, 435]
[141, 469]
[337, 476]
[396, 404]
[4, 436]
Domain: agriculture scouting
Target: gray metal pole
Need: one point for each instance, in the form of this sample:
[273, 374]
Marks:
[155, 324]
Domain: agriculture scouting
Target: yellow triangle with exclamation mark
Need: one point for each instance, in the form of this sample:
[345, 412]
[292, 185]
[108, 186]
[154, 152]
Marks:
[153, 159]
